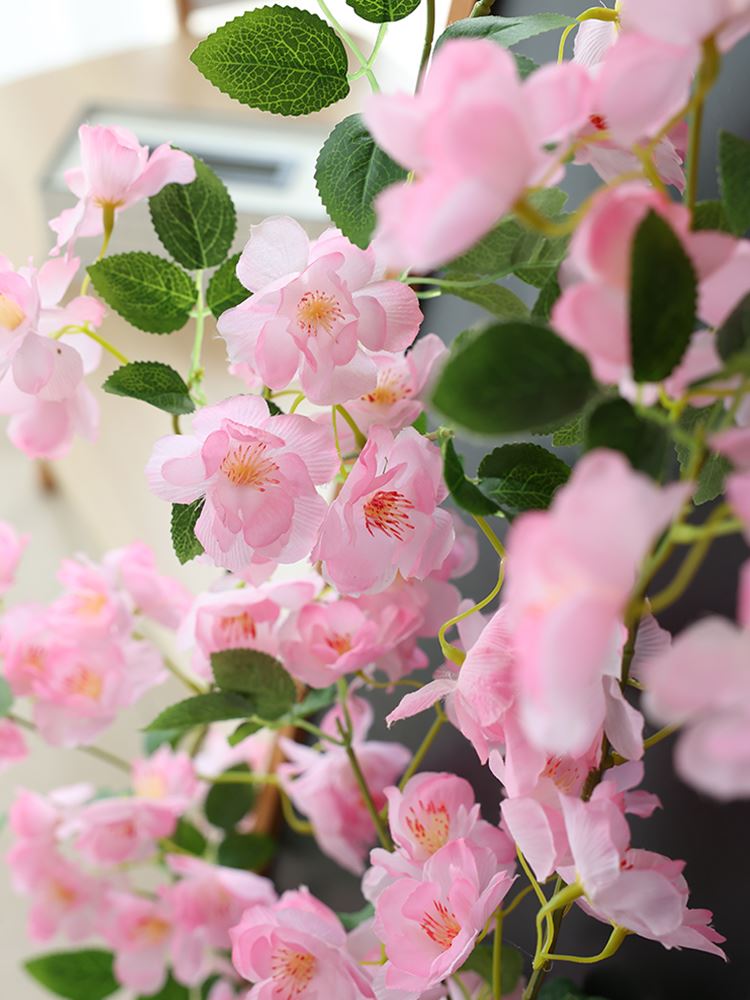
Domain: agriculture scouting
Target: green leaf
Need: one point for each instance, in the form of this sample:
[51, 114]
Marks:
[151, 293]
[661, 324]
[353, 920]
[189, 838]
[512, 377]
[464, 492]
[710, 215]
[225, 290]
[249, 851]
[154, 383]
[6, 697]
[159, 738]
[733, 337]
[549, 293]
[615, 424]
[226, 804]
[76, 975]
[279, 59]
[480, 961]
[314, 701]
[171, 990]
[253, 672]
[716, 467]
[734, 180]
[195, 222]
[505, 31]
[380, 11]
[350, 172]
[525, 65]
[184, 518]
[519, 477]
[496, 299]
[420, 424]
[242, 732]
[202, 709]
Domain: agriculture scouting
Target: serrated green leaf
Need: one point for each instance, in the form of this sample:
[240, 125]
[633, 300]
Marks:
[350, 172]
[716, 467]
[615, 424]
[76, 975]
[506, 31]
[734, 180]
[661, 325]
[353, 920]
[172, 990]
[225, 290]
[195, 222]
[151, 293]
[548, 256]
[189, 838]
[480, 961]
[464, 492]
[526, 66]
[6, 697]
[184, 518]
[733, 336]
[216, 706]
[496, 299]
[710, 215]
[279, 59]
[380, 11]
[512, 377]
[250, 671]
[248, 851]
[152, 382]
[549, 293]
[520, 477]
[228, 803]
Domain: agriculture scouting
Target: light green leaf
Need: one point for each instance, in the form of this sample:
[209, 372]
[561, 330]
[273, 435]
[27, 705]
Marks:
[151, 293]
[255, 673]
[353, 920]
[76, 975]
[279, 59]
[195, 222]
[716, 467]
[152, 382]
[734, 180]
[496, 299]
[350, 172]
[6, 697]
[184, 518]
[381, 11]
[520, 477]
[225, 290]
[216, 706]
[505, 31]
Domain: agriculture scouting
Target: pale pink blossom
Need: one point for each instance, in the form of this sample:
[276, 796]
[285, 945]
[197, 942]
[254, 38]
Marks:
[166, 777]
[13, 746]
[116, 171]
[571, 570]
[64, 899]
[257, 473]
[139, 931]
[90, 608]
[475, 137]
[42, 428]
[12, 546]
[296, 948]
[115, 830]
[134, 570]
[688, 25]
[317, 311]
[429, 924]
[386, 518]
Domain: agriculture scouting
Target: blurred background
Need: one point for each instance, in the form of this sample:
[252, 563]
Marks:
[127, 62]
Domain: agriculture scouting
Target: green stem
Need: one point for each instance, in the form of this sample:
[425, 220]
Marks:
[105, 344]
[490, 535]
[707, 74]
[497, 957]
[359, 437]
[96, 752]
[657, 737]
[239, 778]
[424, 746]
[429, 34]
[616, 938]
[383, 835]
[195, 375]
[181, 676]
[301, 826]
[450, 652]
[348, 40]
[108, 223]
[517, 899]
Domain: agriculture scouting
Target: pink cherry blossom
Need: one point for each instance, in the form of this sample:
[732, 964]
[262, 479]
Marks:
[139, 931]
[13, 746]
[317, 311]
[688, 26]
[64, 899]
[47, 428]
[90, 608]
[475, 136]
[115, 173]
[12, 546]
[257, 474]
[429, 925]
[386, 520]
[296, 948]
[166, 777]
[112, 831]
[161, 598]
[570, 573]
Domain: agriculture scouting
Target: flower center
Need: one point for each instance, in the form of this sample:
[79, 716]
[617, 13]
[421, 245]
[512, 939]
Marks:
[563, 772]
[318, 311]
[387, 511]
[11, 314]
[150, 786]
[237, 628]
[152, 930]
[339, 643]
[86, 683]
[292, 970]
[430, 825]
[89, 603]
[390, 389]
[248, 465]
[440, 926]
[599, 122]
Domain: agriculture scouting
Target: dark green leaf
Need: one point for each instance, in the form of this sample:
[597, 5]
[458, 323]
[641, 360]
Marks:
[519, 477]
[225, 291]
[189, 838]
[6, 697]
[242, 732]
[249, 851]
[661, 324]
[350, 172]
[152, 382]
[171, 990]
[420, 424]
[204, 708]
[150, 292]
[76, 975]
[353, 920]
[464, 492]
[226, 804]
[480, 961]
[716, 467]
[548, 296]
[184, 518]
[195, 222]
[733, 337]
[253, 672]
[496, 299]
[159, 738]
[710, 215]
[734, 180]
[525, 65]
[512, 377]
[380, 11]
[273, 408]
[279, 59]
[615, 424]
[505, 31]
[313, 702]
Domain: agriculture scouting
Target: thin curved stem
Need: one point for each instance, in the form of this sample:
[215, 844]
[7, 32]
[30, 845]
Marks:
[449, 651]
[359, 438]
[497, 957]
[108, 224]
[105, 344]
[355, 49]
[104, 756]
[429, 34]
[424, 746]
